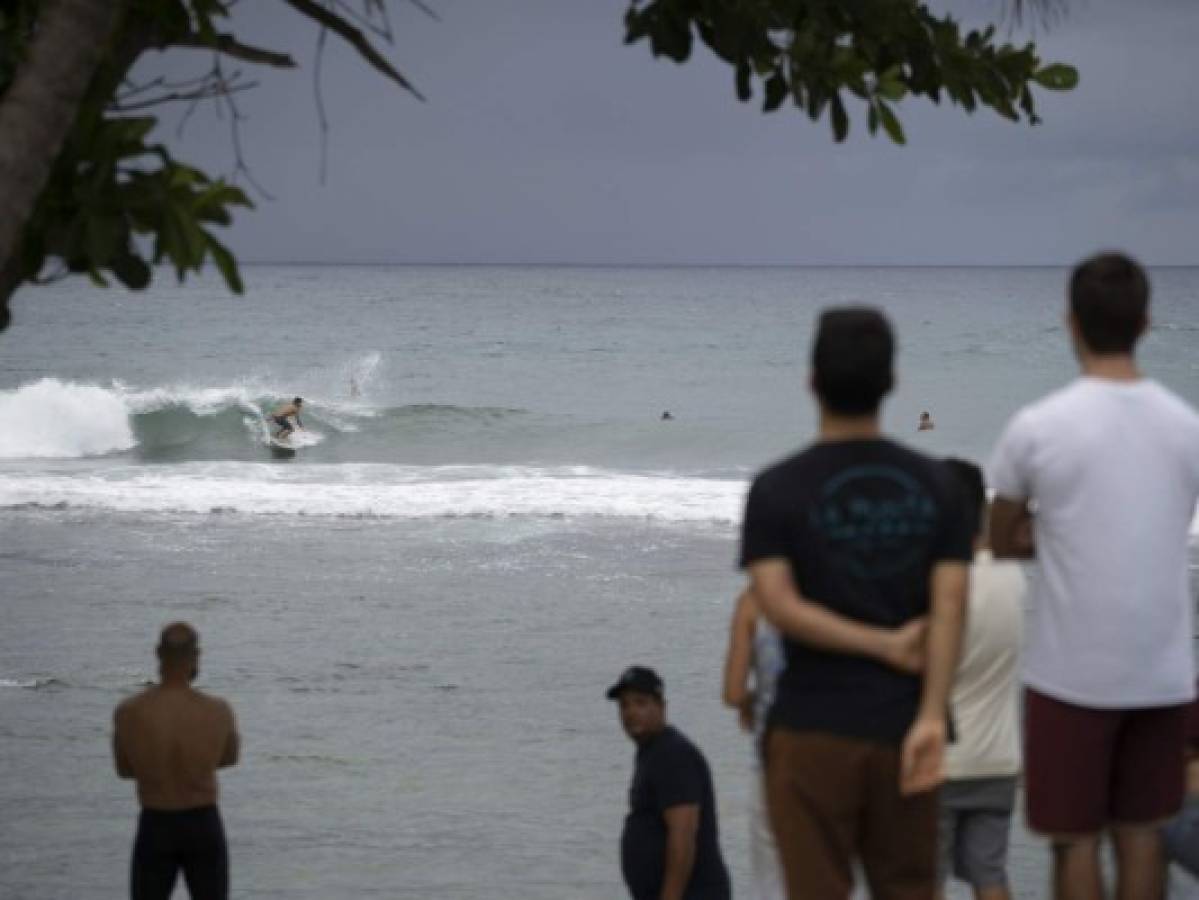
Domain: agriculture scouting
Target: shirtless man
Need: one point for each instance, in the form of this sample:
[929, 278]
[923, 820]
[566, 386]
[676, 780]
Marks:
[171, 738]
[282, 418]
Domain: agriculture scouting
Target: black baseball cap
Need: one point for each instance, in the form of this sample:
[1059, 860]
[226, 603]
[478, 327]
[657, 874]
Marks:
[637, 678]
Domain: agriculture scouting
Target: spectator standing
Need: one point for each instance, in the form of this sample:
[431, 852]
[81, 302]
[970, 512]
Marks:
[1110, 465]
[171, 739]
[983, 766]
[858, 552]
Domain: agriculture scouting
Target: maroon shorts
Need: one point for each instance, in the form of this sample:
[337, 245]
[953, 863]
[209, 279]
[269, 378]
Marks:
[1088, 769]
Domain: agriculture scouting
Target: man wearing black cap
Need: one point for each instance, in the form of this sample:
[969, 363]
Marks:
[669, 848]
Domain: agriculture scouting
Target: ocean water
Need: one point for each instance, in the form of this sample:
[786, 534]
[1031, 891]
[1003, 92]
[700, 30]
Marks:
[416, 616]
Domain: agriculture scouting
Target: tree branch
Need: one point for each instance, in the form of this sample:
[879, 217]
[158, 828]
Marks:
[426, 9]
[235, 120]
[206, 92]
[354, 37]
[230, 46]
[11, 276]
[322, 119]
[1047, 12]
[366, 21]
[39, 109]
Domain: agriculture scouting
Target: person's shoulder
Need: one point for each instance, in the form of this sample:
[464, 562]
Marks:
[785, 468]
[919, 463]
[901, 452]
[679, 748]
[1062, 401]
[1173, 405]
[212, 702]
[135, 703]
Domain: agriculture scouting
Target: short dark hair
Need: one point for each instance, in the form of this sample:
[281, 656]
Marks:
[298, 401]
[178, 641]
[1109, 297]
[973, 490]
[852, 359]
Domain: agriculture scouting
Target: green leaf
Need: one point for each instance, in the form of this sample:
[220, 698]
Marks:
[891, 123]
[226, 263]
[744, 91]
[891, 88]
[839, 119]
[103, 236]
[1057, 77]
[776, 93]
[132, 271]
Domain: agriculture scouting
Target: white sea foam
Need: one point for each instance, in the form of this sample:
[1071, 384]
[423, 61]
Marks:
[27, 683]
[379, 490]
[384, 491]
[56, 419]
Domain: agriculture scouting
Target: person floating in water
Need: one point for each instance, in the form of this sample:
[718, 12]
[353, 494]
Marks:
[283, 415]
[666, 416]
[926, 422]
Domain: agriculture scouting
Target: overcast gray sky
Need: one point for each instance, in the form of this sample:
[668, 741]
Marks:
[546, 140]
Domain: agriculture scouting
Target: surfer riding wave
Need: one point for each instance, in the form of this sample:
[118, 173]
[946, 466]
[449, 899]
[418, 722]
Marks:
[283, 415]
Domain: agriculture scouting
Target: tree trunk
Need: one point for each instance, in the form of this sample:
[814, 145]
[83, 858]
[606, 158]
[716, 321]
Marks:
[39, 108]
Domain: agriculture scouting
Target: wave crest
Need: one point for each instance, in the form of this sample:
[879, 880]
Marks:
[53, 419]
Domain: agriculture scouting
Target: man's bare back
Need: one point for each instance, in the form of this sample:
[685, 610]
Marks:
[172, 740]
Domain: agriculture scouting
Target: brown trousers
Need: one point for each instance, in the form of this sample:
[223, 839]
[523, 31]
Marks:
[835, 799]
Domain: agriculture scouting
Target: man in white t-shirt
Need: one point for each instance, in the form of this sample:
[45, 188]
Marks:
[1109, 467]
[982, 767]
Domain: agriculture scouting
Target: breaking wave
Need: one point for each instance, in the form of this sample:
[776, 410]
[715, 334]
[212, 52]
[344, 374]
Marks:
[53, 419]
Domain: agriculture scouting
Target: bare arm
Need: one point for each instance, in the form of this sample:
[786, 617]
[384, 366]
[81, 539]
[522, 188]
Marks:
[740, 653]
[119, 758]
[232, 751]
[812, 624]
[682, 826]
[1010, 527]
[924, 745]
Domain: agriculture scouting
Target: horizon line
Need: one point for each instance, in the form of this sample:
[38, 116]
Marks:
[678, 265]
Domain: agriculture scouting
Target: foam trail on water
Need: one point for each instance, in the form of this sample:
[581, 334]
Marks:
[384, 491]
[28, 683]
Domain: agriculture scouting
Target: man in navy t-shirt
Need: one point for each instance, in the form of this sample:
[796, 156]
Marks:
[669, 849]
[858, 549]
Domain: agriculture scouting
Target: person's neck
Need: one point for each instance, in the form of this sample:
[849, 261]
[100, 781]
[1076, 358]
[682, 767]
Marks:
[1110, 366]
[174, 680]
[838, 427]
[650, 736]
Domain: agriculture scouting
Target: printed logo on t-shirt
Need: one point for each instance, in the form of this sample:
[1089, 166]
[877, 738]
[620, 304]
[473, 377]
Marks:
[875, 520]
